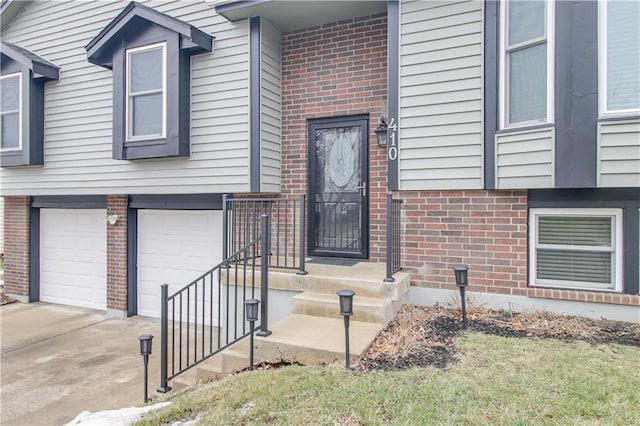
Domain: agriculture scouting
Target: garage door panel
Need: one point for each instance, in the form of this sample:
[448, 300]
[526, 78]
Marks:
[175, 247]
[73, 258]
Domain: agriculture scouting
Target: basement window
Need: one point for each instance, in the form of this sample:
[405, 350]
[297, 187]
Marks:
[576, 248]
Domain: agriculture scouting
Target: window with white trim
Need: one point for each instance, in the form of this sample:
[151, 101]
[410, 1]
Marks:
[10, 115]
[146, 92]
[526, 64]
[576, 248]
[619, 56]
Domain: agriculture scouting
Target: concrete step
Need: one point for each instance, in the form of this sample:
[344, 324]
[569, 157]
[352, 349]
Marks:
[365, 278]
[302, 339]
[307, 339]
[367, 309]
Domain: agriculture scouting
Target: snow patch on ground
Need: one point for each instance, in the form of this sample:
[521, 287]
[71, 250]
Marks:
[121, 417]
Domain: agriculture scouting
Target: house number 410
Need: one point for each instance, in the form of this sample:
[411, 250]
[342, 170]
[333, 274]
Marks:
[393, 147]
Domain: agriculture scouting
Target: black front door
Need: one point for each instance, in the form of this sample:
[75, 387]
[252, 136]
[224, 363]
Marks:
[339, 187]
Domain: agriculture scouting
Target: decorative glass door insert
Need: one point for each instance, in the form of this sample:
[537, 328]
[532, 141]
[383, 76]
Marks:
[338, 185]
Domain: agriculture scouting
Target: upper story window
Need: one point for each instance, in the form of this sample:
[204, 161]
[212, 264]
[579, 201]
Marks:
[526, 64]
[150, 56]
[10, 100]
[146, 93]
[619, 57]
[22, 82]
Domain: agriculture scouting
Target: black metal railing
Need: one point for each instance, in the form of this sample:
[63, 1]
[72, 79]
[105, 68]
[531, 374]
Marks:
[241, 224]
[394, 236]
[208, 315]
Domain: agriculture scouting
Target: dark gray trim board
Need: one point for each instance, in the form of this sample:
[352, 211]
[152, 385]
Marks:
[393, 87]
[132, 262]
[191, 38]
[491, 95]
[255, 48]
[576, 93]
[69, 201]
[176, 201]
[34, 254]
[627, 199]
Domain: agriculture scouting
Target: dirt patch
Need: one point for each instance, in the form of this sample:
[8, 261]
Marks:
[424, 336]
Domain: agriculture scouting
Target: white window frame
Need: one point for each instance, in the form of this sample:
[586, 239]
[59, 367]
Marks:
[129, 95]
[617, 248]
[549, 38]
[603, 66]
[19, 75]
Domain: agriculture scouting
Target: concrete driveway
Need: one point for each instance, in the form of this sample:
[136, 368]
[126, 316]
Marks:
[57, 361]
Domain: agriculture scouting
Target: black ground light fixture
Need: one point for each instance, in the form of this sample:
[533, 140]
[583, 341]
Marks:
[252, 317]
[145, 350]
[381, 133]
[461, 282]
[346, 310]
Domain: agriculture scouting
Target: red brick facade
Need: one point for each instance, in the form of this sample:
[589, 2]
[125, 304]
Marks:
[117, 253]
[485, 229]
[16, 246]
[334, 70]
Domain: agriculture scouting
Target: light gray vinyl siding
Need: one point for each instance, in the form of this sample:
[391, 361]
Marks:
[270, 107]
[78, 107]
[441, 145]
[619, 154]
[525, 159]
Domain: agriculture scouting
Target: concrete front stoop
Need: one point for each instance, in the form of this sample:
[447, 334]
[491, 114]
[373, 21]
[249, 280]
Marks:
[314, 332]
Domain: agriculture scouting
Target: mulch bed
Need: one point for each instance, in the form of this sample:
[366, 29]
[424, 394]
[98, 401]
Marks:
[424, 336]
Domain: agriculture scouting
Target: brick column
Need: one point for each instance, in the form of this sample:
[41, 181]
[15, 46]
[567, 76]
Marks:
[117, 255]
[16, 245]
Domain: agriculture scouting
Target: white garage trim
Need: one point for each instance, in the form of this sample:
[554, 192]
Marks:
[174, 247]
[73, 257]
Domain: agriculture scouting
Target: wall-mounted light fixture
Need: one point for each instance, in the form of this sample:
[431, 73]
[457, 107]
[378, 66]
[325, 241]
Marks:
[381, 133]
[112, 219]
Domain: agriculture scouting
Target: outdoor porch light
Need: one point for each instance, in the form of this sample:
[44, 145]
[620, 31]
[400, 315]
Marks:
[381, 134]
[461, 282]
[346, 310]
[252, 316]
[145, 351]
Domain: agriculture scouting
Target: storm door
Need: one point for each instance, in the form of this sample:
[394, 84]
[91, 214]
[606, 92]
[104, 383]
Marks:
[339, 187]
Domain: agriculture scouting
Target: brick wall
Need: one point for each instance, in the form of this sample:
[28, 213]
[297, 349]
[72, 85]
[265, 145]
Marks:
[333, 70]
[486, 230]
[117, 253]
[16, 245]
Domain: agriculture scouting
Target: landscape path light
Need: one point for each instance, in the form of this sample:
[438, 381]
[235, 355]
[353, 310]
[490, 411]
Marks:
[252, 316]
[461, 282]
[346, 310]
[145, 350]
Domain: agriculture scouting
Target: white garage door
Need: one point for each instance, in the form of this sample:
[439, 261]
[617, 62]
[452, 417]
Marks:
[73, 257]
[174, 247]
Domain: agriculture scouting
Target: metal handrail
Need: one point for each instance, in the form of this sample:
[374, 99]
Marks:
[192, 335]
[394, 236]
[288, 224]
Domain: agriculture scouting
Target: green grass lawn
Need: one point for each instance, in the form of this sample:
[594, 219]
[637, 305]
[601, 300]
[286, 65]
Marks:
[498, 380]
